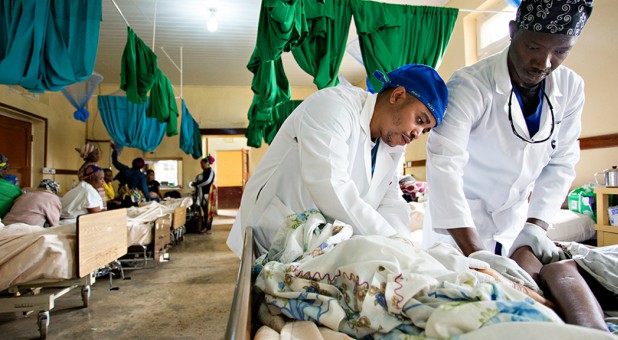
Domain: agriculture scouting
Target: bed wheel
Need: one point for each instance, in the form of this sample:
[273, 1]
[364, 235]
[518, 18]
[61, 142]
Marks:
[86, 295]
[43, 322]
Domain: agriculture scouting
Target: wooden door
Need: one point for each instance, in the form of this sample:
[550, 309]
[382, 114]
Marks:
[229, 178]
[16, 143]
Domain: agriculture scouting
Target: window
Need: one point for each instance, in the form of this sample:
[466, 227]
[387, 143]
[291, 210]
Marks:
[167, 171]
[493, 32]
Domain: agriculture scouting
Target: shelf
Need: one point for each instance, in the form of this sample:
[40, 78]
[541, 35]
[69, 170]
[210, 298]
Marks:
[606, 234]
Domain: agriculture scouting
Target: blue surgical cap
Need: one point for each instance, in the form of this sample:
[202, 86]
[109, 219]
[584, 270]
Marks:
[423, 82]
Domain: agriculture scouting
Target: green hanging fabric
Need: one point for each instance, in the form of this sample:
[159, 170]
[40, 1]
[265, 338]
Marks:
[279, 114]
[392, 35]
[163, 103]
[138, 68]
[281, 26]
[321, 52]
[46, 45]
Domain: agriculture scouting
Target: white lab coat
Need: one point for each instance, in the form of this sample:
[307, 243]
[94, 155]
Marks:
[321, 158]
[480, 174]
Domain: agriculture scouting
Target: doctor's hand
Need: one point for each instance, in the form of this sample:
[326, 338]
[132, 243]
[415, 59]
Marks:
[506, 267]
[536, 238]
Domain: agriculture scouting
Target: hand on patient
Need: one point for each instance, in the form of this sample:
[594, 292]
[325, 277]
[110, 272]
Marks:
[506, 267]
[536, 238]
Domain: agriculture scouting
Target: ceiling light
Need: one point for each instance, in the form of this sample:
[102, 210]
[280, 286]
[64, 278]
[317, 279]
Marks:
[213, 24]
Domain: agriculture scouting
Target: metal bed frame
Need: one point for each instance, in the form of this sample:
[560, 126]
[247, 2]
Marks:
[240, 322]
[101, 239]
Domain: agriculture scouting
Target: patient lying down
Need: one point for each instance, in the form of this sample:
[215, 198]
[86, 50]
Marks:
[372, 285]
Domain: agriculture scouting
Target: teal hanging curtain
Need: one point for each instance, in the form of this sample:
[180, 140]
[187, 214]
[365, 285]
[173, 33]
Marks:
[163, 103]
[321, 52]
[127, 124]
[393, 35]
[281, 26]
[46, 45]
[190, 136]
[138, 68]
[279, 113]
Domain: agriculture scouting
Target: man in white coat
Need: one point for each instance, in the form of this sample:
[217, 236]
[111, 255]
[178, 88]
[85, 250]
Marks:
[501, 163]
[339, 152]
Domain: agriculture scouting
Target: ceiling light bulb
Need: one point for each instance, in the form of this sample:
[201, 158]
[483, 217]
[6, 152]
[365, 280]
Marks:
[213, 24]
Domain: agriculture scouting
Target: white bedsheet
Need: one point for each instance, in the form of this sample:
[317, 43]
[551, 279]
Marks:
[568, 226]
[140, 222]
[33, 253]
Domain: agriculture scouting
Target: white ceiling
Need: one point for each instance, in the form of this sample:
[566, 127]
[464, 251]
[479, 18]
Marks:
[209, 59]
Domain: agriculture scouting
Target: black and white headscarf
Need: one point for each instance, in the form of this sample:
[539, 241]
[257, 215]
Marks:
[554, 16]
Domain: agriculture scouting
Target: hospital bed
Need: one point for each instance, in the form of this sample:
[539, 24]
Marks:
[40, 265]
[152, 228]
[243, 320]
[567, 226]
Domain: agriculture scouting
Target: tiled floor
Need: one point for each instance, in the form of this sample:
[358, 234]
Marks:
[186, 298]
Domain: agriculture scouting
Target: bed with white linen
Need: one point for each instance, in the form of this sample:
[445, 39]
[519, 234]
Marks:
[567, 226]
[374, 286]
[38, 265]
[140, 221]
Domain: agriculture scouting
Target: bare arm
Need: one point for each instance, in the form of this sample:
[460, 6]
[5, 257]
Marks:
[94, 210]
[467, 239]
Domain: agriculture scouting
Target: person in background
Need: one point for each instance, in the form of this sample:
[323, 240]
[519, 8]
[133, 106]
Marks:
[202, 184]
[501, 164]
[132, 177]
[339, 152]
[153, 185]
[84, 198]
[113, 202]
[108, 179]
[8, 191]
[41, 207]
[90, 154]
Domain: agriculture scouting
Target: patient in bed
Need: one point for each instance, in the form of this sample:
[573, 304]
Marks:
[582, 286]
[84, 198]
[41, 207]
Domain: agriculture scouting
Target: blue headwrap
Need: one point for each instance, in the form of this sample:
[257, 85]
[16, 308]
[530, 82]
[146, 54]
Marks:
[423, 82]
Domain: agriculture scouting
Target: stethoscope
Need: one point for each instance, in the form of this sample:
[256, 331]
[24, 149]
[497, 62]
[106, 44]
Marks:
[553, 121]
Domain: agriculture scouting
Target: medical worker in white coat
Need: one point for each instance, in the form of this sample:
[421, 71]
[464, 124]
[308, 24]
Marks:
[502, 162]
[322, 157]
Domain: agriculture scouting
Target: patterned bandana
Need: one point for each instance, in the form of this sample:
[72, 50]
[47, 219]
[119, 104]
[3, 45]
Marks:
[566, 17]
[4, 162]
[50, 185]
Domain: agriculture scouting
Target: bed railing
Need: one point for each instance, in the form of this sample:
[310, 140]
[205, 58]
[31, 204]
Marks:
[239, 322]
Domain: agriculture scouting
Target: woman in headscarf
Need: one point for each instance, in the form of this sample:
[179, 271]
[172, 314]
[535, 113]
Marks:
[90, 154]
[41, 207]
[84, 198]
[8, 191]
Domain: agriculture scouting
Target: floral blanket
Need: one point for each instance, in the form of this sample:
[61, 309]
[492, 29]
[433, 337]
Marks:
[383, 287]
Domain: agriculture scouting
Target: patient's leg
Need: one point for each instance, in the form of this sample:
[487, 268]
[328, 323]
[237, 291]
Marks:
[573, 298]
[565, 285]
